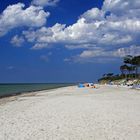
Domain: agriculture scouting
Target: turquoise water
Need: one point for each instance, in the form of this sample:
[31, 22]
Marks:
[12, 89]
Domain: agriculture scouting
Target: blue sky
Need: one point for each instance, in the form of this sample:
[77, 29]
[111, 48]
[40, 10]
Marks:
[66, 40]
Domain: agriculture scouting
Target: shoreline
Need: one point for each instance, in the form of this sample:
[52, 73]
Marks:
[16, 93]
[15, 96]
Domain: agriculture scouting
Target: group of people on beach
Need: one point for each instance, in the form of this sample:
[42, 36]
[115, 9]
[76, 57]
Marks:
[91, 85]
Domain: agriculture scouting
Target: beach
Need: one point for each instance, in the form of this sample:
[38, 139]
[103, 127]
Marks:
[72, 113]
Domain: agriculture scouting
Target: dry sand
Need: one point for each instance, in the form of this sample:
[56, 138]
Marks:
[72, 113]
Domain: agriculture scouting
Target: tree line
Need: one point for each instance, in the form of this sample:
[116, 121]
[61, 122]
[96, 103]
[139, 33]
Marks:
[129, 69]
[131, 66]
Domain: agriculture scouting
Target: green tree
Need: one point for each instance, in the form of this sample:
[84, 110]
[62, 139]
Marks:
[136, 63]
[128, 59]
[124, 70]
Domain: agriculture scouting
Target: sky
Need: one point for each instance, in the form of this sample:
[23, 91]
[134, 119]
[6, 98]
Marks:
[66, 40]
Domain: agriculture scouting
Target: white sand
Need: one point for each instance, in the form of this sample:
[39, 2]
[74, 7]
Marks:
[71, 113]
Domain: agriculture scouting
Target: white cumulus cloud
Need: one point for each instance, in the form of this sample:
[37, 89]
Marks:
[93, 27]
[132, 50]
[17, 41]
[112, 31]
[17, 16]
[99, 52]
[45, 2]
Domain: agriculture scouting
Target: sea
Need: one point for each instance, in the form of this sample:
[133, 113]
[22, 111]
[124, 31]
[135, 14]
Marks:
[14, 89]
